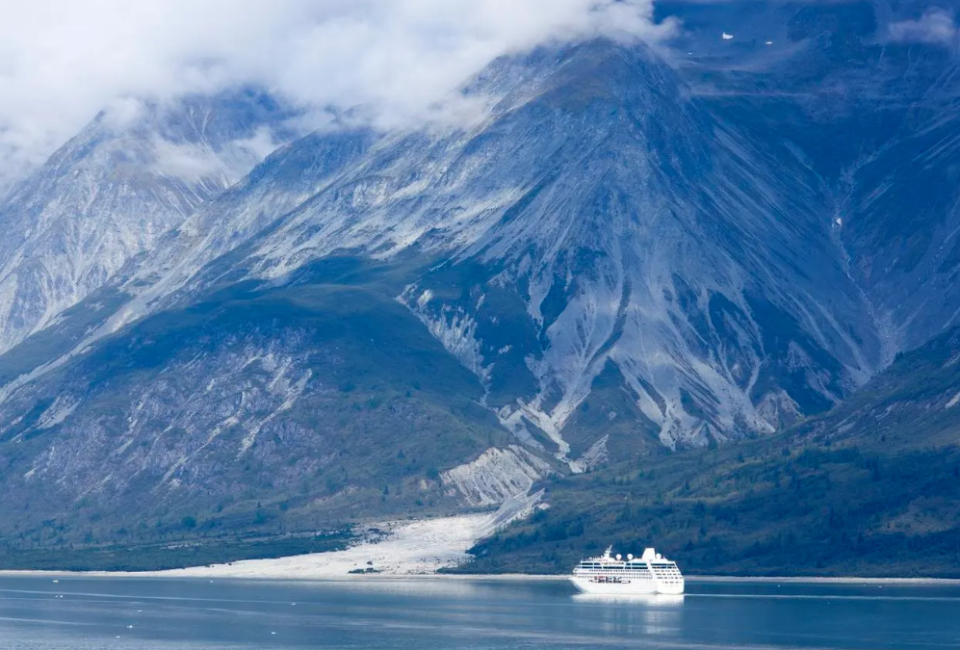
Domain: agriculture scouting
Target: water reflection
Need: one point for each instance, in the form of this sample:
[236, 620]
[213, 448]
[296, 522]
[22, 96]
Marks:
[451, 588]
[639, 599]
[412, 587]
[631, 615]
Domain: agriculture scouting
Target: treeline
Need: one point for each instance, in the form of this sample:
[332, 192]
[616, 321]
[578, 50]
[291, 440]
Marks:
[173, 555]
[752, 510]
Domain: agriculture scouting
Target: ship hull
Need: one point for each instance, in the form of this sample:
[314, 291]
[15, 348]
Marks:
[634, 588]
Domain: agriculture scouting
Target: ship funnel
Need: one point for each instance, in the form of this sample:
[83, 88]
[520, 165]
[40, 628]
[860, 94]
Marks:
[649, 554]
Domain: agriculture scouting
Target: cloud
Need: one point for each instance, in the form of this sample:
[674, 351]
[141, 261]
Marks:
[196, 162]
[61, 61]
[936, 26]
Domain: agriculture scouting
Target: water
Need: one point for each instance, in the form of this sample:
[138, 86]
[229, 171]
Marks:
[121, 614]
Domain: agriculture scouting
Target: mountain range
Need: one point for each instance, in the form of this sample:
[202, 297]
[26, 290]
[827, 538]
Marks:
[634, 256]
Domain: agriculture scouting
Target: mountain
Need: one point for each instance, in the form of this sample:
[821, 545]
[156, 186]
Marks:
[657, 246]
[619, 263]
[635, 266]
[914, 403]
[868, 489]
[304, 402]
[112, 192]
[484, 204]
[147, 282]
[874, 117]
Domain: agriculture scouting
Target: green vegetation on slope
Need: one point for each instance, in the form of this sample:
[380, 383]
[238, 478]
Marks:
[752, 510]
[871, 488]
[383, 411]
[169, 555]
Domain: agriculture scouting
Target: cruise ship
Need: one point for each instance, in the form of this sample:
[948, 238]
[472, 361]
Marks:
[651, 573]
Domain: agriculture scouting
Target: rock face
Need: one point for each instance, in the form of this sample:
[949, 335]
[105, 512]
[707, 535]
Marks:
[873, 114]
[658, 243]
[497, 475]
[311, 402]
[113, 191]
[630, 250]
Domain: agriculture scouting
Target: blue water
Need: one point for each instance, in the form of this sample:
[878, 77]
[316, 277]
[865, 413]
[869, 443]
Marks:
[119, 614]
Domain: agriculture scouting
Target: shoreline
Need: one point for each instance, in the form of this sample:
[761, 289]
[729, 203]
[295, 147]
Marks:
[504, 577]
[419, 550]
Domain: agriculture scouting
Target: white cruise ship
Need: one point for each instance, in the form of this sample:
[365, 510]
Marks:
[651, 573]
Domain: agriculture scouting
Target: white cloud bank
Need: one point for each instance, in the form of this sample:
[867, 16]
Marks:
[61, 61]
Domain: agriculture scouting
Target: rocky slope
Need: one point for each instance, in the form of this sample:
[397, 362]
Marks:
[251, 409]
[113, 191]
[913, 404]
[868, 489]
[658, 244]
[874, 115]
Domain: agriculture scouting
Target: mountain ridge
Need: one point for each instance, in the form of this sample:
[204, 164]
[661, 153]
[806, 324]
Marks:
[111, 193]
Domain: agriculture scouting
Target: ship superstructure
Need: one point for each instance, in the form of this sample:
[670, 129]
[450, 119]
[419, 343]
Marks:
[651, 573]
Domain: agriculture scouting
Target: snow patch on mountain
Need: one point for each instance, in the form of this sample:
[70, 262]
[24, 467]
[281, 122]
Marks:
[289, 388]
[516, 417]
[513, 421]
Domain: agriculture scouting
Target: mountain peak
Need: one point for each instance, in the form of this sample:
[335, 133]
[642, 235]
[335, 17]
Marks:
[572, 75]
[623, 225]
[112, 191]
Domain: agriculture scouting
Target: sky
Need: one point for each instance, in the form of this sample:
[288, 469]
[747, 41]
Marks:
[62, 61]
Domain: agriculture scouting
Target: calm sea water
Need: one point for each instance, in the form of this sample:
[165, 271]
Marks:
[119, 614]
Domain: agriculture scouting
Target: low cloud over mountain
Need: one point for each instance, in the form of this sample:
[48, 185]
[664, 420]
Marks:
[398, 56]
